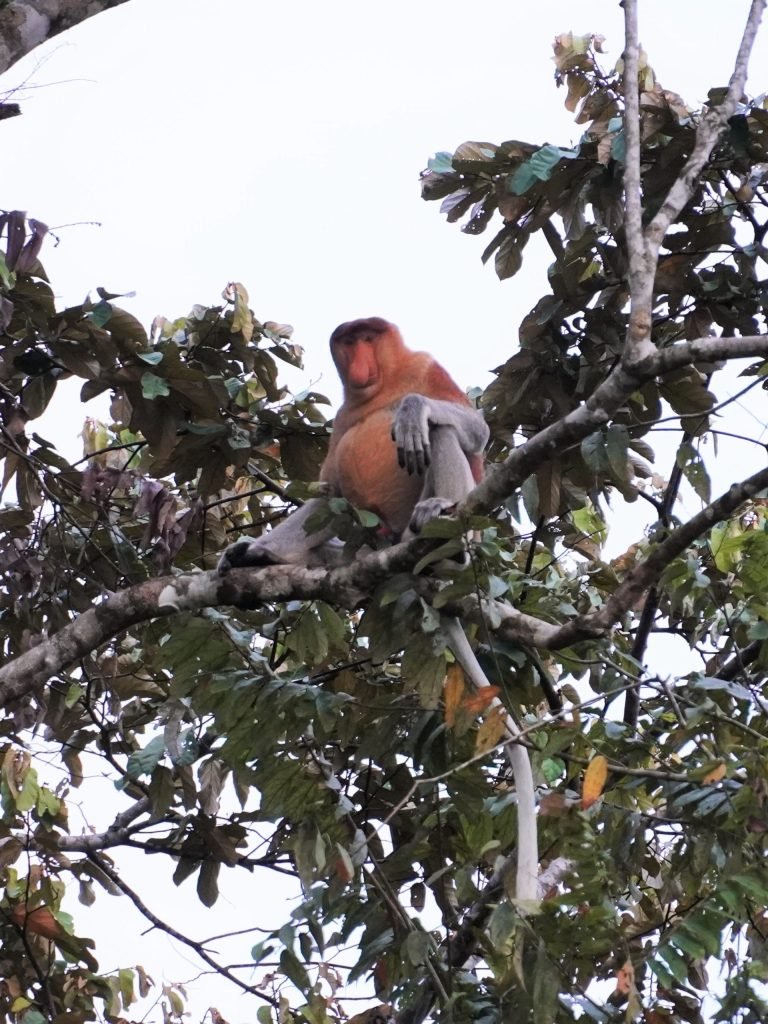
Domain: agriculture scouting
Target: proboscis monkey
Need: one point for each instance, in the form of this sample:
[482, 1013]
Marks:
[407, 444]
[391, 394]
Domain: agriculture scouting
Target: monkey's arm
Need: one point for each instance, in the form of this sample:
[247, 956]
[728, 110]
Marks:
[287, 544]
[414, 420]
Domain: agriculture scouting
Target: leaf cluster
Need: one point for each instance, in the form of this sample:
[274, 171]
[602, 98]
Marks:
[343, 747]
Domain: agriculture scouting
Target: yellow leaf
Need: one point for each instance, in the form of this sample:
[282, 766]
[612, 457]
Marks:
[714, 774]
[594, 781]
[492, 729]
[242, 318]
[453, 691]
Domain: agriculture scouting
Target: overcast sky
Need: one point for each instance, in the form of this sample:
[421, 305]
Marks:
[174, 145]
[280, 144]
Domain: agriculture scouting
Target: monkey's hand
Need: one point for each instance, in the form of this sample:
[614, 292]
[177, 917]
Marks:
[244, 553]
[410, 432]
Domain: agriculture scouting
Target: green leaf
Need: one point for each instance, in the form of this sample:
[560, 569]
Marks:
[417, 947]
[509, 257]
[33, 1016]
[546, 987]
[153, 386]
[208, 882]
[100, 314]
[7, 277]
[617, 445]
[48, 803]
[502, 926]
[143, 762]
[29, 794]
[589, 522]
[694, 470]
[441, 163]
[423, 670]
[538, 168]
[294, 970]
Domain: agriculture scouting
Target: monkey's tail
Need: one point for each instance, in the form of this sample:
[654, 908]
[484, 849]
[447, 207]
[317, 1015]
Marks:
[526, 886]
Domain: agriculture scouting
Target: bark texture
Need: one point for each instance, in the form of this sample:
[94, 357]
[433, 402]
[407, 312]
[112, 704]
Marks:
[24, 24]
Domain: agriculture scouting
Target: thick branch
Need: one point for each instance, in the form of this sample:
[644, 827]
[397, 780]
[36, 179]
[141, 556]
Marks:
[24, 24]
[643, 246]
[632, 194]
[121, 829]
[641, 260]
[168, 595]
[595, 413]
[707, 134]
[349, 586]
[707, 350]
[598, 410]
[648, 572]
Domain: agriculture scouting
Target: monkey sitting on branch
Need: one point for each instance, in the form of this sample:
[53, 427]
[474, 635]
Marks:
[407, 444]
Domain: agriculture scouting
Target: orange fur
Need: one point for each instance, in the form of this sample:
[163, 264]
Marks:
[377, 369]
[428, 467]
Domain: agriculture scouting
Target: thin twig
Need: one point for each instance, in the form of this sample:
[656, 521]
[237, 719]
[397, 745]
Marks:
[133, 896]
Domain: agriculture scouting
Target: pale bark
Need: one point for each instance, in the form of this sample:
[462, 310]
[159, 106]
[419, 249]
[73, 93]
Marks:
[24, 24]
[347, 587]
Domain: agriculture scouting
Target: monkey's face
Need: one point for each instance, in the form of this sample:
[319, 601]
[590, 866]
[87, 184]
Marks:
[360, 350]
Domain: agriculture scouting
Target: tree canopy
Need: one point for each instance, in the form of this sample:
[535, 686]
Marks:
[313, 722]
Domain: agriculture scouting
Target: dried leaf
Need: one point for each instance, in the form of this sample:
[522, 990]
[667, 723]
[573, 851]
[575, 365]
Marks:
[491, 730]
[715, 774]
[480, 700]
[625, 978]
[453, 691]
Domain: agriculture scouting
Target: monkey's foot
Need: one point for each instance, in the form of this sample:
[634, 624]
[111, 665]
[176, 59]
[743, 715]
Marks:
[244, 554]
[427, 510]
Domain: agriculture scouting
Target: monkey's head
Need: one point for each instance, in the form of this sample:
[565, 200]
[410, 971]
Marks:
[367, 328]
[363, 350]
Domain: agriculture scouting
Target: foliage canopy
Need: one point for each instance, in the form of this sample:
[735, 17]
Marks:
[336, 740]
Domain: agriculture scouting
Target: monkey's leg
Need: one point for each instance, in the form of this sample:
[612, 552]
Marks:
[447, 479]
[288, 543]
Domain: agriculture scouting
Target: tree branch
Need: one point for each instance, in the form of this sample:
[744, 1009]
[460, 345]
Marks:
[121, 829]
[24, 24]
[349, 586]
[598, 411]
[168, 595]
[644, 575]
[103, 865]
[641, 260]
[707, 134]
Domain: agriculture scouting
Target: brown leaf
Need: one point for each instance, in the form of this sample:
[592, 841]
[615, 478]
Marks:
[492, 729]
[714, 774]
[39, 921]
[625, 978]
[453, 691]
[554, 805]
[482, 699]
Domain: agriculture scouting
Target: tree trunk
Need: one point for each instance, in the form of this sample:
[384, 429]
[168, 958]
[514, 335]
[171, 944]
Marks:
[24, 24]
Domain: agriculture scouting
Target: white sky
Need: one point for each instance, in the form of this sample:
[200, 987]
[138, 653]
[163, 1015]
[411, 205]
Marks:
[279, 144]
